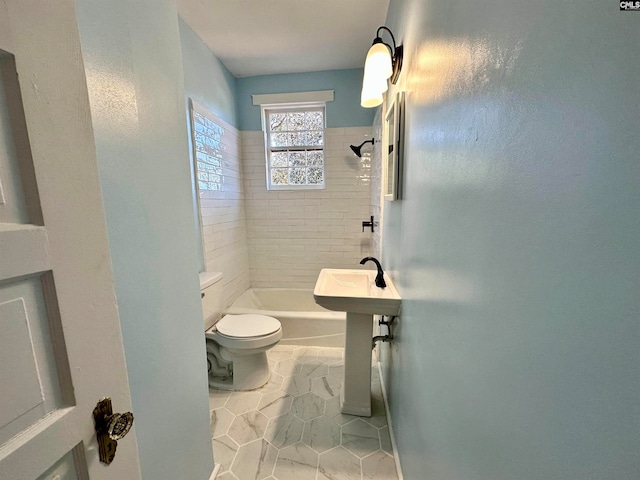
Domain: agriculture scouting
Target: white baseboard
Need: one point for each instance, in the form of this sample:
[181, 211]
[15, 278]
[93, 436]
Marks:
[216, 469]
[389, 422]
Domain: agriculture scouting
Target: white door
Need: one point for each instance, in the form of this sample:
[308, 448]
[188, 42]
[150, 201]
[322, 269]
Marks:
[60, 340]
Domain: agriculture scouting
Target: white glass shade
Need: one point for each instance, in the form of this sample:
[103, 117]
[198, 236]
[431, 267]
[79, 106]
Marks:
[370, 98]
[374, 83]
[378, 63]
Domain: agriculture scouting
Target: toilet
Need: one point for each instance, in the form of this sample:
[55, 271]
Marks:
[236, 344]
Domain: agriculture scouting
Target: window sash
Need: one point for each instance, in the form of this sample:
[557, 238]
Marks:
[269, 150]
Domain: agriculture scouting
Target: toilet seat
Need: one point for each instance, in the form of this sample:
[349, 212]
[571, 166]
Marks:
[247, 326]
[246, 332]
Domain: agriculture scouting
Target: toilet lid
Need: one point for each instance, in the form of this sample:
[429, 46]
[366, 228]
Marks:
[246, 326]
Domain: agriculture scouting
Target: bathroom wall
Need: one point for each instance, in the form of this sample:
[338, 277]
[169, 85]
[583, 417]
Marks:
[131, 52]
[293, 234]
[222, 241]
[344, 111]
[515, 247]
[206, 79]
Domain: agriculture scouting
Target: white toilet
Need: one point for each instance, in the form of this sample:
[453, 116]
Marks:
[236, 344]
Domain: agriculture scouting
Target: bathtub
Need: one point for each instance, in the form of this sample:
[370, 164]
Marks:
[303, 321]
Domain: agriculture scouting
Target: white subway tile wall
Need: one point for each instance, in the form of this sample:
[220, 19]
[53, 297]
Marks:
[377, 199]
[224, 229]
[291, 235]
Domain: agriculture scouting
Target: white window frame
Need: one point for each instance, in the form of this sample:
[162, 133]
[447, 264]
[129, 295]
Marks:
[288, 108]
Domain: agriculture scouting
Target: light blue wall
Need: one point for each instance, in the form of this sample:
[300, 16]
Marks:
[344, 111]
[132, 58]
[516, 246]
[208, 82]
[206, 79]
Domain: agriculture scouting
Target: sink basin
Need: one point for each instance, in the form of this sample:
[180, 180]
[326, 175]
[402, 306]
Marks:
[355, 291]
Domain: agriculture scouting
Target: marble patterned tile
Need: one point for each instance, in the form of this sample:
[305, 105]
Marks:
[296, 462]
[297, 385]
[242, 402]
[217, 398]
[326, 387]
[305, 354]
[248, 427]
[338, 464]
[378, 414]
[226, 476]
[275, 403]
[332, 410]
[308, 406]
[287, 367]
[385, 440]
[314, 369]
[224, 451]
[360, 438]
[255, 460]
[379, 466]
[336, 371]
[221, 421]
[330, 355]
[321, 434]
[284, 431]
[298, 412]
[274, 383]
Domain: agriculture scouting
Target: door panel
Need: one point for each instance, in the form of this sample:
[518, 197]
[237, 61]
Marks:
[60, 340]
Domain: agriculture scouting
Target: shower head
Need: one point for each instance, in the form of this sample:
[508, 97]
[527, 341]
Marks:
[358, 150]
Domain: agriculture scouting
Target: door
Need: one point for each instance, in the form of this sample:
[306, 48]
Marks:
[60, 341]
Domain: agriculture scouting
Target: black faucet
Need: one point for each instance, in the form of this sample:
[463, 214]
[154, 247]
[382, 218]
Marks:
[380, 277]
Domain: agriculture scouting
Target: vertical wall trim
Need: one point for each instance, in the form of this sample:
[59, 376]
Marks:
[390, 424]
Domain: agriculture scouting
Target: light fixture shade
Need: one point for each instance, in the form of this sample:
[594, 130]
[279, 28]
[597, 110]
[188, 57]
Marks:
[370, 98]
[378, 62]
[374, 83]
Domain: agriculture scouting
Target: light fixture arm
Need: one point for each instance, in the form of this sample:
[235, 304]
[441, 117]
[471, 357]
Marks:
[396, 53]
[392, 50]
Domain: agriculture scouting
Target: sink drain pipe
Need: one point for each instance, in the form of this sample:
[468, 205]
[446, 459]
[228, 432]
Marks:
[384, 338]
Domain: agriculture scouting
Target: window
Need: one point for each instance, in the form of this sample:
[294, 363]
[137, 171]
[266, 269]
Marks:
[207, 148]
[294, 137]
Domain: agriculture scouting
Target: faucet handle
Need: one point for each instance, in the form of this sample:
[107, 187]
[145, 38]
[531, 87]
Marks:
[370, 224]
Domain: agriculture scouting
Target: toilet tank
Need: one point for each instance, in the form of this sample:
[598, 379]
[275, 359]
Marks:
[211, 297]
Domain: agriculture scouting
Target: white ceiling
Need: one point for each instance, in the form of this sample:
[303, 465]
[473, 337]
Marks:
[263, 37]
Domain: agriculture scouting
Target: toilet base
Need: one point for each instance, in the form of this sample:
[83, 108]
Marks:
[249, 372]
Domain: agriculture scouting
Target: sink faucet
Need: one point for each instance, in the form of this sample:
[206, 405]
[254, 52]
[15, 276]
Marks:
[380, 276]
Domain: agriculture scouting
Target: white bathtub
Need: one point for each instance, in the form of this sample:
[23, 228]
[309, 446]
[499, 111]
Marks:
[303, 321]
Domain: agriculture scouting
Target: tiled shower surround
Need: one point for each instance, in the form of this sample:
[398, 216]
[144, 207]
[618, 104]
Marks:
[283, 238]
[224, 230]
[293, 234]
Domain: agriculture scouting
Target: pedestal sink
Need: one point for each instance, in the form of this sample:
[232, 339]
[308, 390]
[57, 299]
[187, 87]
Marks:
[355, 292]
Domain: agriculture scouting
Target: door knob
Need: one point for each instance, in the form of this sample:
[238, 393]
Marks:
[110, 427]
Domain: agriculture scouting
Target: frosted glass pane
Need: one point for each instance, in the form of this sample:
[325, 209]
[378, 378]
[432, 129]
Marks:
[297, 176]
[315, 176]
[279, 176]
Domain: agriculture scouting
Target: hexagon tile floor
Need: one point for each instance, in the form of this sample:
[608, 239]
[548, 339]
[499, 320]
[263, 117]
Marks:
[292, 428]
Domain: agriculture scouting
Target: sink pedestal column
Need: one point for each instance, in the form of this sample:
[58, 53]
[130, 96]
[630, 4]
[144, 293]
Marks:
[355, 396]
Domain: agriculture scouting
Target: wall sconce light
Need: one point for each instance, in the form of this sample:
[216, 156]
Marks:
[380, 66]
[358, 150]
